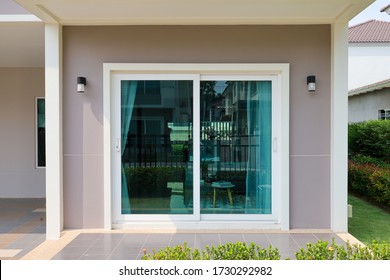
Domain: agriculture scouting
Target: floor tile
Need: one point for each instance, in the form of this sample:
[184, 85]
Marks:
[231, 238]
[279, 238]
[67, 257]
[112, 236]
[287, 249]
[257, 238]
[40, 229]
[74, 250]
[106, 250]
[3, 244]
[123, 257]
[106, 243]
[8, 237]
[9, 253]
[125, 243]
[181, 238]
[136, 236]
[283, 242]
[93, 257]
[5, 229]
[205, 239]
[89, 236]
[329, 237]
[28, 239]
[119, 250]
[303, 238]
[40, 210]
[158, 239]
[81, 243]
[24, 249]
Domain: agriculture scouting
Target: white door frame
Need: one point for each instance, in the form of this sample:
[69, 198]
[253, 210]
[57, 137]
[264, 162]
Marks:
[116, 155]
[280, 144]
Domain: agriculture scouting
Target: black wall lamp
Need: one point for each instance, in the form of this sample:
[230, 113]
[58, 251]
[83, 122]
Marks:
[81, 83]
[311, 83]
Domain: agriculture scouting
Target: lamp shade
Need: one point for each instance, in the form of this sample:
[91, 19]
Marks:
[81, 82]
[311, 83]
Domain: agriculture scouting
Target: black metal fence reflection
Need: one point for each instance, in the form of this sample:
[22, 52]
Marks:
[226, 153]
[153, 151]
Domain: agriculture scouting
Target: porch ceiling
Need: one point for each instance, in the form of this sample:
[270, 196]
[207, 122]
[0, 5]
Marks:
[120, 12]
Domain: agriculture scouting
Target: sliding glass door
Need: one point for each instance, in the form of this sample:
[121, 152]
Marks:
[235, 147]
[156, 146]
[193, 147]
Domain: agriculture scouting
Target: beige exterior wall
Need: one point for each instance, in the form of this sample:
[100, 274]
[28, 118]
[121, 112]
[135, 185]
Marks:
[18, 175]
[306, 48]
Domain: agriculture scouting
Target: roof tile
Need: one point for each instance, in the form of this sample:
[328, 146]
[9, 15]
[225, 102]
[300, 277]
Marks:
[372, 31]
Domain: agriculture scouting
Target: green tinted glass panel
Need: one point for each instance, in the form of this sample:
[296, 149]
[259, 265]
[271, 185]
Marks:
[235, 148]
[156, 128]
[41, 131]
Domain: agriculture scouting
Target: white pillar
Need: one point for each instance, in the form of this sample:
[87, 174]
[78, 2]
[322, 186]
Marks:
[339, 128]
[53, 97]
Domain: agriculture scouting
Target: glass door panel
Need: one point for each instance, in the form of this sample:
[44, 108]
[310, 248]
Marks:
[156, 151]
[235, 147]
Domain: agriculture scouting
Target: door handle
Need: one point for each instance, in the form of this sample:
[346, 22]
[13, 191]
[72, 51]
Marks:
[117, 145]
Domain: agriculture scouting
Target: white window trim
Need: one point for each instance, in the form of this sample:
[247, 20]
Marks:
[281, 144]
[387, 111]
[36, 131]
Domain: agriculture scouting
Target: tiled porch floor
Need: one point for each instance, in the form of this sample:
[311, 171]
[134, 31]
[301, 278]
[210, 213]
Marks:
[22, 226]
[22, 236]
[127, 246]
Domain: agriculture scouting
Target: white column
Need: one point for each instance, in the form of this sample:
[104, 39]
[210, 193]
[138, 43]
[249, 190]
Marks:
[339, 128]
[53, 93]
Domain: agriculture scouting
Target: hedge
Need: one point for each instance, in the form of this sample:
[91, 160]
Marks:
[322, 250]
[152, 181]
[370, 180]
[370, 138]
[369, 160]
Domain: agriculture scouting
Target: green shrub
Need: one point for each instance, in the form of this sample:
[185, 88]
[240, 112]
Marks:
[359, 177]
[228, 251]
[379, 189]
[152, 181]
[240, 251]
[179, 252]
[321, 250]
[380, 251]
[177, 149]
[362, 159]
[370, 138]
[370, 180]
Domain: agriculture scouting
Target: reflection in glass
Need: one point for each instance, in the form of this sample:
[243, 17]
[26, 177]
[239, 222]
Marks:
[41, 133]
[156, 126]
[235, 148]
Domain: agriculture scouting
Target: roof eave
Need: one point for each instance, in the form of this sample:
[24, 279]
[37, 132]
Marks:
[151, 13]
[369, 88]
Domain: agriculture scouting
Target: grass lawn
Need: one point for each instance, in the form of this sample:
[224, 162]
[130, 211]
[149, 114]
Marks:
[368, 222]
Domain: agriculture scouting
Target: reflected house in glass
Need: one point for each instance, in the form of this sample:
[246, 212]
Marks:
[153, 156]
[230, 143]
[195, 115]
